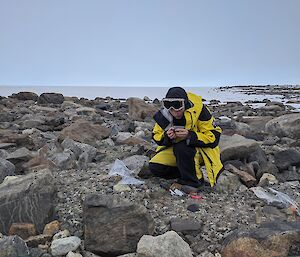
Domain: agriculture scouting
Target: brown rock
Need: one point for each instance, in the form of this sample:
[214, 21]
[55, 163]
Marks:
[248, 180]
[23, 230]
[85, 132]
[271, 239]
[35, 241]
[139, 109]
[52, 228]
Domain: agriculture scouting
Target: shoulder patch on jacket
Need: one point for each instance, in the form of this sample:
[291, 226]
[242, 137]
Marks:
[205, 115]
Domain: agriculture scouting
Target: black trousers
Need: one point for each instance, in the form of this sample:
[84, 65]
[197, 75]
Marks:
[185, 170]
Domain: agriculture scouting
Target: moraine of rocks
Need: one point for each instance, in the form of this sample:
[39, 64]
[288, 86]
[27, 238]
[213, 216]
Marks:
[58, 199]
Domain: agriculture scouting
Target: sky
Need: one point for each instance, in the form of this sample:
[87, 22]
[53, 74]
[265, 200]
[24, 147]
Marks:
[149, 42]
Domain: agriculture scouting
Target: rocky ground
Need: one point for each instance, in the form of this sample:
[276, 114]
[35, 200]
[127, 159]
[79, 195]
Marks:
[58, 195]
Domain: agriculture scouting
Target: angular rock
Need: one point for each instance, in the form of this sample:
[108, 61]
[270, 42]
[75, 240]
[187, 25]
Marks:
[23, 96]
[20, 157]
[136, 162]
[35, 241]
[169, 244]
[228, 182]
[27, 199]
[64, 160]
[13, 246]
[114, 226]
[139, 109]
[186, 226]
[286, 158]
[248, 180]
[236, 147]
[48, 98]
[51, 228]
[23, 230]
[285, 126]
[6, 169]
[84, 132]
[272, 239]
[79, 148]
[63, 246]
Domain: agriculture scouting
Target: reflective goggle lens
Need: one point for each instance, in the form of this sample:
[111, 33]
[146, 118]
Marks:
[175, 104]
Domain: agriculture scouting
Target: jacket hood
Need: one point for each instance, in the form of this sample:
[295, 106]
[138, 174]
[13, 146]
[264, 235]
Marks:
[179, 92]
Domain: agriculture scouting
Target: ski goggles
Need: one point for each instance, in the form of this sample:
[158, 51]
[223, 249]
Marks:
[176, 104]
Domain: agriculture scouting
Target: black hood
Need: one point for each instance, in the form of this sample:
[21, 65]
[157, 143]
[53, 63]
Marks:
[179, 92]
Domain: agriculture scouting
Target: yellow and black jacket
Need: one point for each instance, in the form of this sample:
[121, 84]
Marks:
[204, 135]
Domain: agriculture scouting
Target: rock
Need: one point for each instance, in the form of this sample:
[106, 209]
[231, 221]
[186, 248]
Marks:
[185, 226]
[289, 175]
[136, 163]
[122, 136]
[13, 246]
[27, 199]
[35, 241]
[286, 158]
[206, 254]
[23, 230]
[84, 132]
[6, 169]
[19, 157]
[64, 160]
[61, 234]
[24, 96]
[236, 147]
[64, 245]
[121, 188]
[36, 252]
[139, 109]
[48, 98]
[71, 254]
[248, 180]
[6, 145]
[114, 226]
[228, 182]
[285, 125]
[242, 128]
[51, 228]
[272, 239]
[169, 244]
[267, 179]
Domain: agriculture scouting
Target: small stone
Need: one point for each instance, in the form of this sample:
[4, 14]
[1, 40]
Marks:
[121, 188]
[193, 207]
[51, 228]
[71, 254]
[61, 234]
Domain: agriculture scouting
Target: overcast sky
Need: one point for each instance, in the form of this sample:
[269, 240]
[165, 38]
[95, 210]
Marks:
[149, 42]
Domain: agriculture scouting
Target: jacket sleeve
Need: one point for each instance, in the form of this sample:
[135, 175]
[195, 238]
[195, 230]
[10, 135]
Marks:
[160, 136]
[208, 134]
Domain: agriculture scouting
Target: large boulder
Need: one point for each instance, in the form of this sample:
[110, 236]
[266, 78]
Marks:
[285, 126]
[6, 169]
[51, 98]
[236, 147]
[113, 226]
[84, 132]
[273, 239]
[27, 199]
[169, 244]
[13, 246]
[139, 109]
[23, 96]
